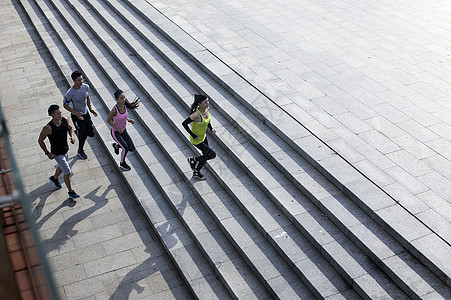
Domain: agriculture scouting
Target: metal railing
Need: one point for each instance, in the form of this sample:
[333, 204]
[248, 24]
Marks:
[15, 202]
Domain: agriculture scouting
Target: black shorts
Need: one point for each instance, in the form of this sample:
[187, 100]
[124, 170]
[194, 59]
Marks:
[84, 127]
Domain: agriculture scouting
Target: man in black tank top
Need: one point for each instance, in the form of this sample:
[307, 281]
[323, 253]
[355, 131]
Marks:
[56, 130]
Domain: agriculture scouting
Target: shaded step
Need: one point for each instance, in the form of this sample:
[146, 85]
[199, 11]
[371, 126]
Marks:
[358, 188]
[175, 125]
[266, 267]
[201, 280]
[266, 144]
[143, 84]
[364, 188]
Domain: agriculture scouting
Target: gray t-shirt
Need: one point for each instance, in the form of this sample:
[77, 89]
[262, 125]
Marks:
[77, 98]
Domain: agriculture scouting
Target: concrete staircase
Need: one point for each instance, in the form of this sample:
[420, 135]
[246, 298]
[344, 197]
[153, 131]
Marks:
[281, 215]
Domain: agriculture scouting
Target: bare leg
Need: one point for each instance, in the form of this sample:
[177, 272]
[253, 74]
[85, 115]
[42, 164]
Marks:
[58, 172]
[67, 182]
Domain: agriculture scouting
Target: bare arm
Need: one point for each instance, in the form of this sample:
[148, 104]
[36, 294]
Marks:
[195, 117]
[72, 111]
[71, 131]
[46, 131]
[88, 101]
[109, 120]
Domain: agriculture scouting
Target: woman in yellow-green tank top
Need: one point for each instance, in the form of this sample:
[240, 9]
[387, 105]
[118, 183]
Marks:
[201, 119]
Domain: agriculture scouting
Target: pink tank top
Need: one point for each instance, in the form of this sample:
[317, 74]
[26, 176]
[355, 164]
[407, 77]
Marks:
[120, 120]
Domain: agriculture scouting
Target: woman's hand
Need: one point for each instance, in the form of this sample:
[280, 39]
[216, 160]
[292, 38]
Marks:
[120, 130]
[131, 121]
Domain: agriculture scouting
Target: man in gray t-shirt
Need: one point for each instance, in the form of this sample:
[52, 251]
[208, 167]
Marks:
[77, 101]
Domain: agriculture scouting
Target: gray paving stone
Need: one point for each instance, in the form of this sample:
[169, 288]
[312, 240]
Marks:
[412, 184]
[68, 276]
[418, 131]
[439, 164]
[315, 186]
[409, 163]
[409, 62]
[405, 198]
[83, 289]
[437, 183]
[379, 141]
[320, 227]
[352, 260]
[368, 196]
[373, 172]
[327, 286]
[402, 224]
[413, 146]
[375, 157]
[246, 238]
[284, 293]
[369, 281]
[438, 223]
[109, 263]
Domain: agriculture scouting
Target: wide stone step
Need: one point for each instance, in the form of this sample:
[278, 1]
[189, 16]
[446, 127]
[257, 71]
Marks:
[166, 146]
[358, 188]
[103, 14]
[365, 194]
[335, 251]
[392, 267]
[279, 284]
[189, 259]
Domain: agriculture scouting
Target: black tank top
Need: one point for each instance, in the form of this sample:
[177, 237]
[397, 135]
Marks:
[58, 138]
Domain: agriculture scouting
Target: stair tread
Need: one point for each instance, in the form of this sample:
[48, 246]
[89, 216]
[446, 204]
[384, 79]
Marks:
[266, 214]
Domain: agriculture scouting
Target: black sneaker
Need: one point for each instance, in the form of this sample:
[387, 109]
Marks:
[116, 148]
[82, 154]
[73, 195]
[55, 182]
[192, 162]
[199, 175]
[125, 167]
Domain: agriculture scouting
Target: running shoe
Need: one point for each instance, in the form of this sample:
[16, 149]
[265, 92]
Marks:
[199, 175]
[116, 148]
[73, 195]
[82, 154]
[192, 162]
[55, 182]
[125, 167]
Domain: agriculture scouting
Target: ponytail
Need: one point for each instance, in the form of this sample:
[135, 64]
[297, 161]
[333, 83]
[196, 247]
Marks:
[132, 105]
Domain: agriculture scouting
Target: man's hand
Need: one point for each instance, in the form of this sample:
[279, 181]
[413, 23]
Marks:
[72, 139]
[78, 114]
[51, 155]
[93, 112]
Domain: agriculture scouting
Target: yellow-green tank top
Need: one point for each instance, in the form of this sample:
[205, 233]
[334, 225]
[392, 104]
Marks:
[200, 129]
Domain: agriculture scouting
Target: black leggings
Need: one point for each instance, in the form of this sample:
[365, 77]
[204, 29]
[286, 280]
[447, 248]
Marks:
[84, 129]
[124, 141]
[207, 153]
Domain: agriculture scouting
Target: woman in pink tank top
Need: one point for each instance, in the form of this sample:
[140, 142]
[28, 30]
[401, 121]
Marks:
[118, 118]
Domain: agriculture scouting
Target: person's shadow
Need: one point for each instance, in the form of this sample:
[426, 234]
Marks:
[66, 229]
[44, 191]
[144, 270]
[130, 281]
